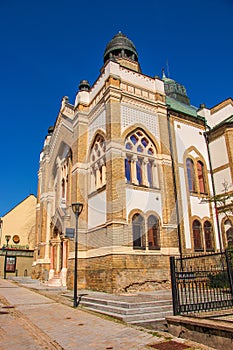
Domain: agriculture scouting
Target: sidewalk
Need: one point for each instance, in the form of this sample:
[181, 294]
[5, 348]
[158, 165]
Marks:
[30, 320]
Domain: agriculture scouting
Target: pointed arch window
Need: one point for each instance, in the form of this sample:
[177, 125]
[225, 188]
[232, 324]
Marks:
[229, 234]
[208, 234]
[98, 164]
[138, 228]
[65, 171]
[140, 161]
[191, 174]
[197, 235]
[153, 233]
[201, 177]
[196, 176]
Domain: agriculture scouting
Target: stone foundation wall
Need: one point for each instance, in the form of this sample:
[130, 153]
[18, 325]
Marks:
[40, 271]
[213, 333]
[122, 273]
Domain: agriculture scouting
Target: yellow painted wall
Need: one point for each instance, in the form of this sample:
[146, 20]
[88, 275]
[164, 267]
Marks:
[20, 221]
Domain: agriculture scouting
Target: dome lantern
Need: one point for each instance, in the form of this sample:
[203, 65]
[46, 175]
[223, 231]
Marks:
[84, 85]
[120, 47]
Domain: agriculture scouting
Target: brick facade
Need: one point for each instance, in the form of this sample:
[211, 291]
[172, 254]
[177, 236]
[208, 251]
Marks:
[113, 151]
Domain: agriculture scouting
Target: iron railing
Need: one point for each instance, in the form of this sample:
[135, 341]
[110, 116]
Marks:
[201, 283]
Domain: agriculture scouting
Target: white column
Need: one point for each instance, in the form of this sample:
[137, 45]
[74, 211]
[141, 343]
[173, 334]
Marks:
[144, 172]
[64, 264]
[48, 220]
[58, 257]
[92, 179]
[97, 175]
[155, 175]
[133, 170]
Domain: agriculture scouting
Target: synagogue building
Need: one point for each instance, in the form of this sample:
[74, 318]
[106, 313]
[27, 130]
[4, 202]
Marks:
[143, 161]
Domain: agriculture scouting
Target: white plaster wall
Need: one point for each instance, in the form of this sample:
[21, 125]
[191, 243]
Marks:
[143, 200]
[185, 213]
[220, 115]
[187, 136]
[141, 80]
[220, 177]
[198, 208]
[97, 210]
[218, 151]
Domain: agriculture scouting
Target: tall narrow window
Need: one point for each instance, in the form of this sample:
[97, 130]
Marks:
[138, 232]
[128, 169]
[64, 169]
[201, 178]
[153, 232]
[191, 175]
[229, 234]
[139, 171]
[150, 174]
[208, 236]
[63, 191]
[197, 239]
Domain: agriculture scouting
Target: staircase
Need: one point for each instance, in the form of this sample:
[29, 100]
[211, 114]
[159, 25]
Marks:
[134, 309]
[54, 282]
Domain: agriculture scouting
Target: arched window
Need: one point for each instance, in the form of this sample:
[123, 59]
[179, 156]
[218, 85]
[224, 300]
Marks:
[208, 234]
[138, 226]
[196, 176]
[63, 189]
[65, 171]
[153, 234]
[197, 238]
[140, 162]
[201, 177]
[191, 174]
[229, 234]
[98, 164]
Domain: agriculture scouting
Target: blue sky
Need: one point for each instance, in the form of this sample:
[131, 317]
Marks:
[47, 47]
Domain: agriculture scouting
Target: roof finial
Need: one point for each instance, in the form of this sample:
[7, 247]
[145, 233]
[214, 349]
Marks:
[163, 73]
[168, 70]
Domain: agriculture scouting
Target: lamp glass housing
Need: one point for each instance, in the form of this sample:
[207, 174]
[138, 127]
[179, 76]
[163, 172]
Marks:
[77, 208]
[7, 237]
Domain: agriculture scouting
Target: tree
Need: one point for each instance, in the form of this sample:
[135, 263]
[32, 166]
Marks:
[224, 204]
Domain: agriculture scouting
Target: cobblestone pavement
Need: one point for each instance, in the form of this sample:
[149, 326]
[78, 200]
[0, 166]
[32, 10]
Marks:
[31, 320]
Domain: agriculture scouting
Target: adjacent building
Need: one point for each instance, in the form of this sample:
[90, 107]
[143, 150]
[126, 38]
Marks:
[141, 159]
[17, 238]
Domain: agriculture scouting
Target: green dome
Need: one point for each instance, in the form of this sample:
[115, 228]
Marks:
[120, 46]
[175, 90]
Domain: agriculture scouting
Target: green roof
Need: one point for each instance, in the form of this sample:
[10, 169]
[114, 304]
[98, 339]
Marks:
[182, 107]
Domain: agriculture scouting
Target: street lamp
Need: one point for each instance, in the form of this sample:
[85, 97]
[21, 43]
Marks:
[7, 237]
[77, 209]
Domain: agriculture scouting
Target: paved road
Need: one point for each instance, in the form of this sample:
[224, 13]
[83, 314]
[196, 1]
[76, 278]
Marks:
[29, 320]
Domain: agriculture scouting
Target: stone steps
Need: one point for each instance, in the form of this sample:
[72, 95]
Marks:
[135, 312]
[54, 282]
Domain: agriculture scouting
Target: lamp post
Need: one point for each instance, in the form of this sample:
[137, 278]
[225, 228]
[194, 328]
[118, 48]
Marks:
[7, 237]
[77, 209]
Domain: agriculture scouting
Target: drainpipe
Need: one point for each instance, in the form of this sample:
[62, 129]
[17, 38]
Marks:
[214, 192]
[174, 183]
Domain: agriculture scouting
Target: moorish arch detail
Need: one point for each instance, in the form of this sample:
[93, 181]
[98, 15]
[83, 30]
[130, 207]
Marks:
[97, 160]
[141, 166]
